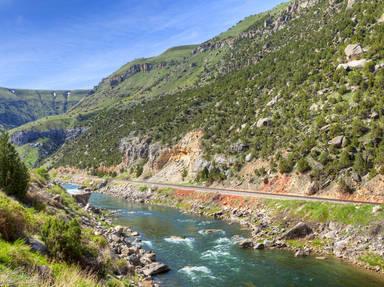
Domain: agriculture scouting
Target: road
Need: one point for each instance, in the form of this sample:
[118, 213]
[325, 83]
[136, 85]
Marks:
[249, 193]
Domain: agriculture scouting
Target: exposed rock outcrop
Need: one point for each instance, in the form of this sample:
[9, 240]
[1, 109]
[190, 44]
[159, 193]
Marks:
[353, 51]
[57, 135]
[133, 70]
[82, 197]
[163, 162]
[298, 231]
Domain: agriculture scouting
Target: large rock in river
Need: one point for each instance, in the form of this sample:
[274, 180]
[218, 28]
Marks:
[155, 268]
[82, 197]
[246, 243]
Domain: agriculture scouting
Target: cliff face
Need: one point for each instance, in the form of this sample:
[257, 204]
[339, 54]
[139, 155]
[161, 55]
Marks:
[18, 107]
[45, 142]
[57, 135]
[175, 163]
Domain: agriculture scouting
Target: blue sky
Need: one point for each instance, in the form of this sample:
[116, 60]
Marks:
[68, 44]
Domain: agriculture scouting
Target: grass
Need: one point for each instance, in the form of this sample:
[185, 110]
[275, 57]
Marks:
[66, 198]
[15, 219]
[18, 268]
[29, 154]
[373, 260]
[325, 212]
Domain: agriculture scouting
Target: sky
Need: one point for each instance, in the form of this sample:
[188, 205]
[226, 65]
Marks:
[73, 44]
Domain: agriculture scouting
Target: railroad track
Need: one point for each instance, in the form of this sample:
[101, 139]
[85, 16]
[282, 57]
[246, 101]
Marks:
[249, 193]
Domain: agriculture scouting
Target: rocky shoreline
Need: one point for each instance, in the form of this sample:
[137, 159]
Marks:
[124, 243]
[329, 239]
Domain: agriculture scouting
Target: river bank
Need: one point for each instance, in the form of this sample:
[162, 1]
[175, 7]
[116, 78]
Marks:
[124, 243]
[353, 233]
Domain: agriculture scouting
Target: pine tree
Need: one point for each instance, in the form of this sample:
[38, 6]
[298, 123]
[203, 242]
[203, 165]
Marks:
[14, 176]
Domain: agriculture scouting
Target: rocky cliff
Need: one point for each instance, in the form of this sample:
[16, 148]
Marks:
[18, 107]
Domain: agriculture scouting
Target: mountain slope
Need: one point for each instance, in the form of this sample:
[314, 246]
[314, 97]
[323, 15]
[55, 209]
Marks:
[287, 94]
[18, 107]
[176, 70]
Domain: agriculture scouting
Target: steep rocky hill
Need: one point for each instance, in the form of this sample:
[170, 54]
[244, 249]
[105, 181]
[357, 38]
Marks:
[176, 70]
[292, 102]
[18, 107]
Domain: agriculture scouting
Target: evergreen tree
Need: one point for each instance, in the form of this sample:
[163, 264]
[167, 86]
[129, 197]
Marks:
[14, 177]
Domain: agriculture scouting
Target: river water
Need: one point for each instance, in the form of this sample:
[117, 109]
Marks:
[207, 259]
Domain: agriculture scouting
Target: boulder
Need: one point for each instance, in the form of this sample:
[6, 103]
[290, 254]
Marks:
[376, 209]
[313, 188]
[119, 230]
[44, 272]
[356, 64]
[268, 243]
[249, 157]
[134, 259]
[259, 246]
[353, 51]
[381, 20]
[264, 122]
[337, 141]
[302, 252]
[155, 268]
[148, 258]
[300, 230]
[37, 245]
[246, 243]
[239, 147]
[82, 198]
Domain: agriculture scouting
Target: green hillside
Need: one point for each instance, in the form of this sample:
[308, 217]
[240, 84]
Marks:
[177, 69]
[18, 107]
[283, 99]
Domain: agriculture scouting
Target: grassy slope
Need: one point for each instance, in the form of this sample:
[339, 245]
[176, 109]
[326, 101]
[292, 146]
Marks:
[18, 263]
[18, 107]
[247, 23]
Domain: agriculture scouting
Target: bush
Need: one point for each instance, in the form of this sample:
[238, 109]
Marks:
[285, 165]
[41, 171]
[13, 219]
[14, 177]
[345, 187]
[303, 165]
[360, 165]
[63, 239]
[344, 160]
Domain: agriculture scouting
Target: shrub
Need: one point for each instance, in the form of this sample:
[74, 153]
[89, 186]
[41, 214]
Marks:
[63, 239]
[13, 219]
[344, 160]
[303, 165]
[285, 165]
[345, 187]
[14, 175]
[360, 165]
[324, 157]
[184, 173]
[41, 171]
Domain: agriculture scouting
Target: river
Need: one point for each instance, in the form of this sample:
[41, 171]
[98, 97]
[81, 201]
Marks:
[207, 259]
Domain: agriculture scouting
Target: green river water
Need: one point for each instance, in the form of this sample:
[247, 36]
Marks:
[208, 260]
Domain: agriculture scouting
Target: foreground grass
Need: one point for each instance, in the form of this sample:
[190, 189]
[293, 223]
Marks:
[19, 267]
